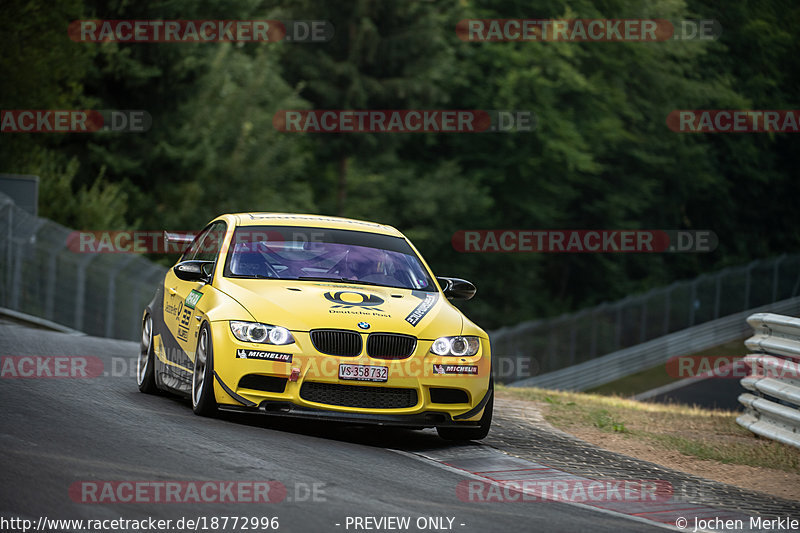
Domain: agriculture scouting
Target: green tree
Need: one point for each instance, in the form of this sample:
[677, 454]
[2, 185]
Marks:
[384, 55]
[231, 159]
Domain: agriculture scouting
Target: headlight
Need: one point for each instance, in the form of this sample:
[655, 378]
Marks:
[456, 346]
[263, 333]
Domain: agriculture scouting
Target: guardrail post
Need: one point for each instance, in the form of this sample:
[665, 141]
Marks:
[693, 302]
[9, 255]
[573, 334]
[80, 290]
[22, 245]
[552, 348]
[643, 326]
[775, 277]
[50, 283]
[50, 287]
[16, 278]
[748, 270]
[593, 342]
[112, 294]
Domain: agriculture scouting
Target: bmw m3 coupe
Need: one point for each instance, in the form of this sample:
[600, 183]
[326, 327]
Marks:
[317, 317]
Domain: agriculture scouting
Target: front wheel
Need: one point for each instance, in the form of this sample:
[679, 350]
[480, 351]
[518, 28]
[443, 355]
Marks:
[145, 365]
[204, 402]
[478, 433]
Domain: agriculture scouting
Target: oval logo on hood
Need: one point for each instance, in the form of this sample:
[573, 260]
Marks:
[353, 299]
[363, 325]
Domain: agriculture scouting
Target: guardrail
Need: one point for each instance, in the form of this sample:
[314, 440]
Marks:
[628, 361]
[772, 407]
[98, 294]
[550, 345]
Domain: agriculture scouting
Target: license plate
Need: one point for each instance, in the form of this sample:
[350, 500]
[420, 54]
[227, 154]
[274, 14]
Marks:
[364, 372]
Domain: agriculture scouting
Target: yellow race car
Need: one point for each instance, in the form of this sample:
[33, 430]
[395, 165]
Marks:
[317, 317]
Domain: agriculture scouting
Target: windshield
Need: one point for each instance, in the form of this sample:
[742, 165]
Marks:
[319, 254]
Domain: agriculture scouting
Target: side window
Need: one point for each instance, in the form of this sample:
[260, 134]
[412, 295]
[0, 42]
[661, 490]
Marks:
[210, 243]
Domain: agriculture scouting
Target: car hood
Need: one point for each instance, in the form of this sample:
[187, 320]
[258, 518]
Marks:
[307, 305]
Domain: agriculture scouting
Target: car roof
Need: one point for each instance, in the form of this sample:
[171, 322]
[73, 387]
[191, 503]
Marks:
[314, 221]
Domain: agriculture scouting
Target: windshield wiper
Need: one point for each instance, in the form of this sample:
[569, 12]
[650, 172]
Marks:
[344, 280]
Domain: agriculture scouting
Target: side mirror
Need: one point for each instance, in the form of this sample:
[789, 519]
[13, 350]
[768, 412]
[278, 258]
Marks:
[194, 270]
[457, 289]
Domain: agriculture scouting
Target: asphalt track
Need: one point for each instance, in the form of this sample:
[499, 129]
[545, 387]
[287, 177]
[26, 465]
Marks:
[56, 432]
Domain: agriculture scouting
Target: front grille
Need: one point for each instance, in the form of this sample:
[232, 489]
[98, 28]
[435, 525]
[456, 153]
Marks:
[358, 396]
[390, 345]
[336, 342]
[262, 383]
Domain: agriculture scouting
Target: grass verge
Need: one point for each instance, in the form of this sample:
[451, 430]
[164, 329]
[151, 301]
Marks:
[692, 431]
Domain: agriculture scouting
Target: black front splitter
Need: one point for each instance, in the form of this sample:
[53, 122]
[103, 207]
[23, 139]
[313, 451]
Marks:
[426, 419]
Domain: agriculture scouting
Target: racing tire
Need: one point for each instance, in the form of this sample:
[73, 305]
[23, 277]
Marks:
[204, 402]
[473, 433]
[145, 364]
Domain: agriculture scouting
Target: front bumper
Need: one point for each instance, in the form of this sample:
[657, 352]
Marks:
[425, 419]
[307, 366]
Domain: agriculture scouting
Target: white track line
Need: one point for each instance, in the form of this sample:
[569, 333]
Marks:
[466, 473]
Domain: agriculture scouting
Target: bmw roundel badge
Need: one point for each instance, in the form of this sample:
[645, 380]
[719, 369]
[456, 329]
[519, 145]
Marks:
[363, 325]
